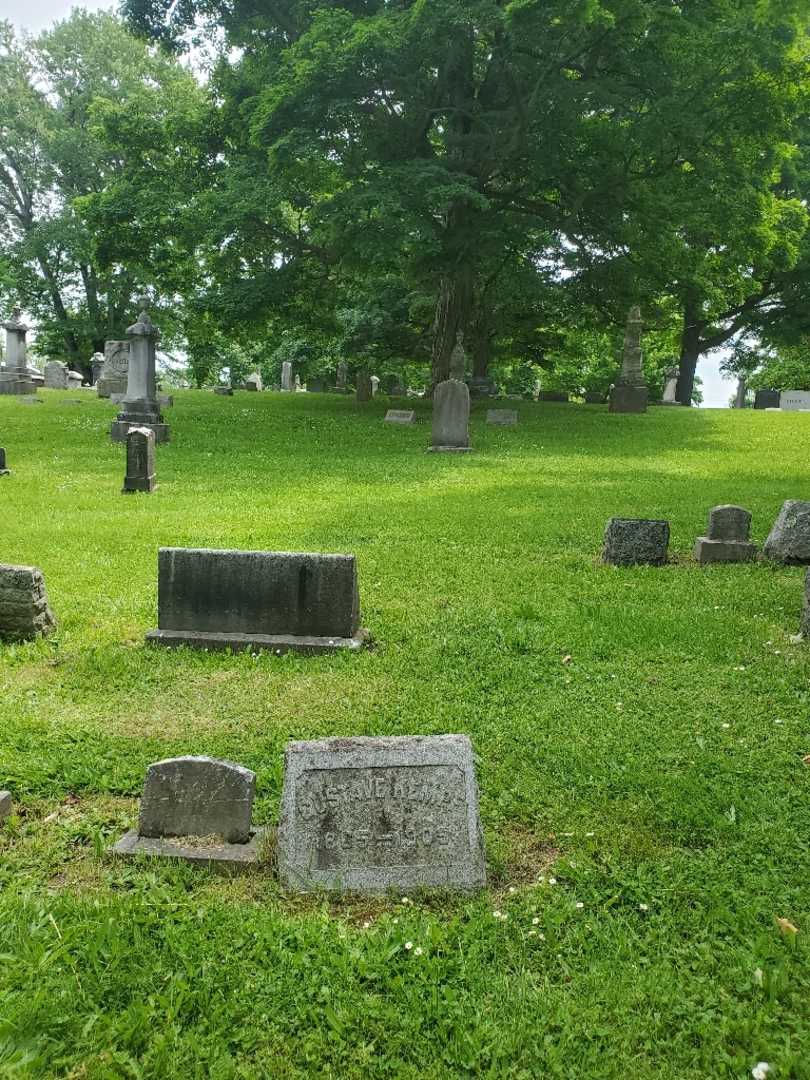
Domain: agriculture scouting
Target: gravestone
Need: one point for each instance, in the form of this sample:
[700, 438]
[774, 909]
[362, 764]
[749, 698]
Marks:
[450, 431]
[502, 417]
[4, 471]
[96, 366]
[593, 397]
[804, 629]
[224, 391]
[140, 474]
[197, 809]
[287, 384]
[74, 380]
[16, 377]
[630, 394]
[400, 416]
[140, 407]
[375, 385]
[789, 539]
[316, 386]
[392, 386]
[670, 387]
[634, 541]
[24, 611]
[794, 401]
[766, 399]
[56, 375]
[5, 805]
[552, 395]
[254, 382]
[364, 389]
[482, 386]
[115, 369]
[372, 814]
[727, 537]
[276, 600]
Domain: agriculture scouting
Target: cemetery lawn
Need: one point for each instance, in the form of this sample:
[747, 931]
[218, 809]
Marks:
[640, 737]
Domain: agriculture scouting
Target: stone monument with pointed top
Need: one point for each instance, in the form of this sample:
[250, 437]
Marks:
[16, 377]
[140, 406]
[451, 406]
[630, 394]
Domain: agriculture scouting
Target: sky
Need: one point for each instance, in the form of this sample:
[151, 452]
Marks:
[35, 15]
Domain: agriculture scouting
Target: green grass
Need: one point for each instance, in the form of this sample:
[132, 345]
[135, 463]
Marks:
[661, 765]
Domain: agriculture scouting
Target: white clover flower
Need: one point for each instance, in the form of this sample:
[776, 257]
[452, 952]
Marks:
[395, 920]
[725, 725]
[542, 937]
[590, 834]
[643, 907]
[417, 951]
[512, 889]
[580, 905]
[496, 914]
[536, 920]
[409, 945]
[552, 881]
[366, 925]
[760, 1070]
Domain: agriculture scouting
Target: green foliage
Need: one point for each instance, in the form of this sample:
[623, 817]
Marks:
[788, 368]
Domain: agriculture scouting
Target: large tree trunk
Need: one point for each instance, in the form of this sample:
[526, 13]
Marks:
[690, 350]
[453, 309]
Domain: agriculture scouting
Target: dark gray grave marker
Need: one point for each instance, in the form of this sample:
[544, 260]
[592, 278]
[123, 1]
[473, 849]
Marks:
[634, 541]
[140, 461]
[726, 538]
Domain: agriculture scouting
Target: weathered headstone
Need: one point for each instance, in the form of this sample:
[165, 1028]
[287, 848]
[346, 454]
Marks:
[4, 470]
[276, 600]
[96, 366]
[372, 814]
[16, 377]
[670, 387]
[482, 386]
[364, 389]
[56, 375]
[630, 393]
[6, 805]
[197, 809]
[140, 474]
[451, 417]
[804, 629]
[594, 397]
[287, 384]
[727, 537]
[114, 371]
[375, 385]
[24, 611]
[400, 416]
[74, 379]
[766, 399]
[254, 382]
[634, 541]
[794, 401]
[502, 417]
[224, 391]
[140, 407]
[316, 386]
[789, 539]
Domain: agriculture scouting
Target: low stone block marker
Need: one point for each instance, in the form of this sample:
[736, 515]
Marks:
[634, 541]
[278, 600]
[140, 461]
[502, 417]
[24, 611]
[789, 539]
[197, 809]
[371, 814]
[400, 416]
[5, 805]
[726, 538]
[4, 471]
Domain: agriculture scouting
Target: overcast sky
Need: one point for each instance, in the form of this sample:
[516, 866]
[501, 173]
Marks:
[35, 15]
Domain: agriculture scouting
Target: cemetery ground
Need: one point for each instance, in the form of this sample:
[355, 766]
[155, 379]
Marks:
[640, 736]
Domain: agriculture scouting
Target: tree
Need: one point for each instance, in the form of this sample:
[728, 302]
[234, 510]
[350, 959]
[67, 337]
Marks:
[75, 261]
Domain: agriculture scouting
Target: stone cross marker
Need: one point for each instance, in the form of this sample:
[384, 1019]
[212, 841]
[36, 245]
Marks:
[140, 461]
[630, 393]
[502, 417]
[287, 377]
[726, 538]
[3, 470]
[276, 600]
[400, 416]
[140, 406]
[24, 611]
[789, 539]
[372, 814]
[202, 798]
[634, 541]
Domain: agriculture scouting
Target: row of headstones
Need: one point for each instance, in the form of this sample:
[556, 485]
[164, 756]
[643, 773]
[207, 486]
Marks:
[357, 814]
[310, 603]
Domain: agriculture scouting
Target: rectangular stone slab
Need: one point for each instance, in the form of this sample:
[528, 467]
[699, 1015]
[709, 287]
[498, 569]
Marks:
[400, 416]
[223, 858]
[197, 796]
[258, 594]
[372, 814]
[723, 551]
[502, 417]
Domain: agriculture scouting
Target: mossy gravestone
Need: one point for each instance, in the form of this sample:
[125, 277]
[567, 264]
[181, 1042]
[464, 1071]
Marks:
[635, 541]
[24, 611]
[372, 814]
[197, 809]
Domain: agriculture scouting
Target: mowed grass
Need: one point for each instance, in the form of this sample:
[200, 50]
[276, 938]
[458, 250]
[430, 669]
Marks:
[640, 737]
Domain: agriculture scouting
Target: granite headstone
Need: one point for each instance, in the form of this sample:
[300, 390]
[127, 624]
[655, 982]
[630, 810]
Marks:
[634, 541]
[140, 475]
[727, 537]
[24, 611]
[400, 416]
[789, 539]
